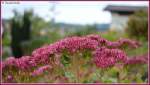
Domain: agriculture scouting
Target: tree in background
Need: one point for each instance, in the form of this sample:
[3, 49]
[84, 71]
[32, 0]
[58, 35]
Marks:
[26, 28]
[137, 26]
[20, 31]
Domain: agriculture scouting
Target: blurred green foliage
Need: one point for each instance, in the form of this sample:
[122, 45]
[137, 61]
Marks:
[111, 35]
[88, 29]
[137, 26]
[65, 60]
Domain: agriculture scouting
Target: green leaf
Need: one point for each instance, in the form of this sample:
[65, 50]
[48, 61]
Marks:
[69, 75]
[65, 60]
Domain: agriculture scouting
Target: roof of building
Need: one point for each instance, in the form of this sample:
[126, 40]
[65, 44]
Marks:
[125, 8]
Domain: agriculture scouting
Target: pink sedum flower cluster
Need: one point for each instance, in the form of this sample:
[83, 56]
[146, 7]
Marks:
[104, 56]
[72, 45]
[24, 63]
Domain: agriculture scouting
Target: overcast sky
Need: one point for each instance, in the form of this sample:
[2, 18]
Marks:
[74, 12]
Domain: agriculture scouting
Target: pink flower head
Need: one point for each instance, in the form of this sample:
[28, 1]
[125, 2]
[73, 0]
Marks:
[131, 43]
[10, 61]
[40, 70]
[100, 40]
[10, 77]
[3, 65]
[114, 44]
[104, 57]
[121, 42]
[93, 37]
[143, 59]
[25, 62]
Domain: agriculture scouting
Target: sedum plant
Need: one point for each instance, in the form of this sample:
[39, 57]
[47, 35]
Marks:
[85, 59]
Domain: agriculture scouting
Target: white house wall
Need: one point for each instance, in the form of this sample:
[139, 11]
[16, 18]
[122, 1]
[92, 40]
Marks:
[119, 22]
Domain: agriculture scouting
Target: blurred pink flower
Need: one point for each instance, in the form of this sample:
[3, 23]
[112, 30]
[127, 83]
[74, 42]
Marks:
[25, 62]
[143, 59]
[40, 70]
[121, 42]
[104, 57]
[10, 61]
[9, 77]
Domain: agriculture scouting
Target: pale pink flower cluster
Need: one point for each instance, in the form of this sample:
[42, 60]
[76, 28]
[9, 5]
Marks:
[40, 70]
[104, 57]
